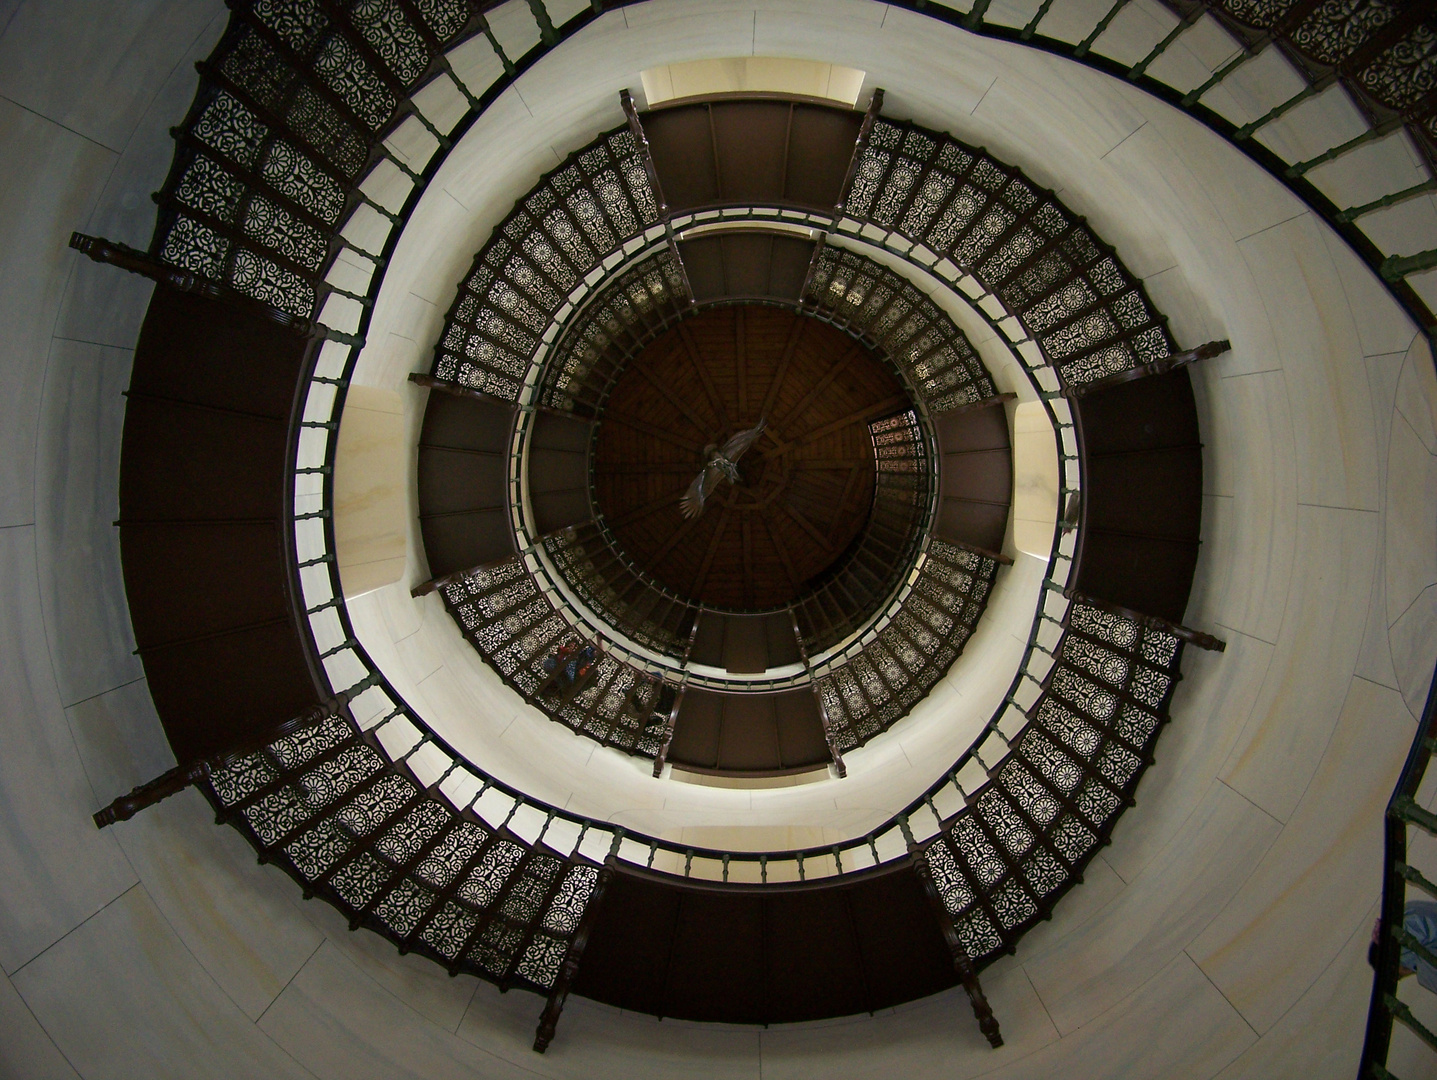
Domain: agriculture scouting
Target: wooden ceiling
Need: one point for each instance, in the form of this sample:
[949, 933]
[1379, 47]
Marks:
[807, 484]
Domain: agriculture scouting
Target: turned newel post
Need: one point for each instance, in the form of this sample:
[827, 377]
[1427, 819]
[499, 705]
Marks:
[193, 772]
[962, 962]
[111, 253]
[569, 969]
[147, 794]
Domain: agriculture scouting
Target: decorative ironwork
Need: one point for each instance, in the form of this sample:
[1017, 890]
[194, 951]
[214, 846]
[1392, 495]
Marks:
[328, 805]
[515, 627]
[645, 300]
[618, 594]
[1001, 862]
[553, 238]
[1088, 314]
[292, 110]
[885, 680]
[874, 303]
[1383, 51]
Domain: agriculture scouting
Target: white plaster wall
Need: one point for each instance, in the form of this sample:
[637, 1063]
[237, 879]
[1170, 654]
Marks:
[160, 948]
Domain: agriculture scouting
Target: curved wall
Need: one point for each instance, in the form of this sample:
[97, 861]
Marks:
[159, 947]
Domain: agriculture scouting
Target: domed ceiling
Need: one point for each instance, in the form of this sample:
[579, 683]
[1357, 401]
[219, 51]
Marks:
[803, 491]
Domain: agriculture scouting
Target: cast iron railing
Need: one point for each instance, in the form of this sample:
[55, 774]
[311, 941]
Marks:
[1400, 880]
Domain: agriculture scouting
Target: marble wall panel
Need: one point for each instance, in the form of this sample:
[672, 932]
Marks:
[77, 501]
[1250, 454]
[1193, 318]
[777, 33]
[236, 917]
[1417, 392]
[1187, 228]
[27, 1050]
[1411, 567]
[49, 180]
[1332, 840]
[1297, 708]
[101, 303]
[418, 982]
[342, 1025]
[1110, 117]
[1321, 360]
[103, 79]
[58, 870]
[1215, 687]
[1411, 531]
[122, 997]
[119, 740]
[1140, 932]
[1382, 326]
[1175, 1026]
[1246, 200]
[1374, 662]
[1320, 1036]
[1413, 637]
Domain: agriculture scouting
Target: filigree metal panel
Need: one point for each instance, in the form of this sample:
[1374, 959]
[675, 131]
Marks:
[848, 597]
[611, 588]
[894, 672]
[550, 242]
[638, 306]
[1089, 315]
[511, 621]
[292, 107]
[872, 302]
[327, 805]
[1001, 862]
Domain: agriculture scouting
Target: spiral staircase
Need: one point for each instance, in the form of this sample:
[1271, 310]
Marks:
[680, 259]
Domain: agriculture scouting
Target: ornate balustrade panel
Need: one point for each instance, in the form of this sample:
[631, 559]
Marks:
[844, 600]
[618, 594]
[506, 616]
[328, 805]
[1384, 52]
[640, 304]
[290, 116]
[1001, 863]
[1069, 290]
[870, 301]
[895, 671]
[554, 237]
